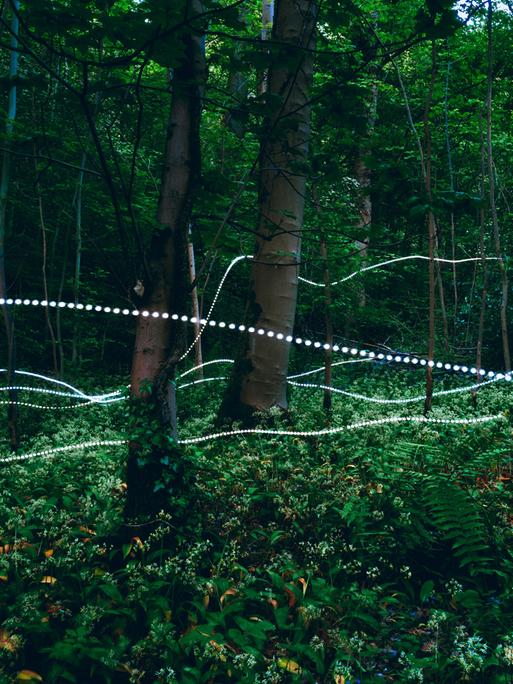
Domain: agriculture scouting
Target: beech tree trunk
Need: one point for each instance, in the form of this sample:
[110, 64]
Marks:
[154, 461]
[262, 377]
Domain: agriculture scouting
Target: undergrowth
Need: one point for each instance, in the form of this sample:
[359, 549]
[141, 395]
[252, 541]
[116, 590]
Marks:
[370, 556]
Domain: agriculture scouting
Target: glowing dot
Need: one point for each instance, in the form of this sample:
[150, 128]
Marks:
[363, 352]
[431, 363]
[175, 317]
[17, 301]
[88, 307]
[299, 340]
[52, 303]
[211, 323]
[26, 302]
[507, 377]
[326, 346]
[43, 302]
[164, 315]
[456, 367]
[115, 310]
[203, 321]
[354, 351]
[289, 338]
[308, 343]
[184, 319]
[260, 331]
[155, 314]
[107, 309]
[135, 312]
[414, 361]
[336, 348]
[125, 312]
[482, 372]
[2, 301]
[397, 359]
[464, 369]
[390, 357]
[242, 328]
[145, 313]
[372, 355]
[317, 345]
[35, 302]
[251, 329]
[491, 374]
[222, 324]
[280, 336]
[473, 371]
[345, 350]
[71, 305]
[232, 326]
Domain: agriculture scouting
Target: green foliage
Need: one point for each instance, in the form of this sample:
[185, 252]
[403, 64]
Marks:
[368, 553]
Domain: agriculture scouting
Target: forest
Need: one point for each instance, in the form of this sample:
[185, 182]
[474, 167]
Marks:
[255, 337]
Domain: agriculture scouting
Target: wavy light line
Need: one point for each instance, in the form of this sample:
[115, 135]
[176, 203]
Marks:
[343, 428]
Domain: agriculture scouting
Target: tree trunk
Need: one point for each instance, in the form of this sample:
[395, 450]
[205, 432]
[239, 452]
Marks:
[363, 176]
[267, 25]
[195, 306]
[484, 291]
[431, 225]
[493, 205]
[75, 347]
[154, 461]
[4, 194]
[262, 376]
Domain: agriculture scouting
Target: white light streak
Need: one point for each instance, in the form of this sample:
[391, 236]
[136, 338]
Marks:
[394, 261]
[343, 428]
[75, 390]
[48, 453]
[379, 400]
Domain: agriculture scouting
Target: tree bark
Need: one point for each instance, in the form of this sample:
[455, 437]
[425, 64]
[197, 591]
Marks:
[493, 204]
[195, 305]
[12, 413]
[262, 376]
[154, 468]
[431, 225]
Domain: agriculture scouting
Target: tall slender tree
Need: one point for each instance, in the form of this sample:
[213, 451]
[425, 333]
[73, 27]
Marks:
[158, 342]
[260, 379]
[4, 198]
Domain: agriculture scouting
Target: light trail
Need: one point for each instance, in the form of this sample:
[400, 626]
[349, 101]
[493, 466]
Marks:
[343, 428]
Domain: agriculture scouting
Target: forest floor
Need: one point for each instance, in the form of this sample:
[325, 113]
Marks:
[377, 554]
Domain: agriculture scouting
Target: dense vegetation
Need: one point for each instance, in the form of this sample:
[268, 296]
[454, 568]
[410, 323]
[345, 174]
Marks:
[145, 140]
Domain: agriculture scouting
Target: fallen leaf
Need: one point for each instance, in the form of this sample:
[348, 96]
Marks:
[5, 641]
[29, 676]
[289, 665]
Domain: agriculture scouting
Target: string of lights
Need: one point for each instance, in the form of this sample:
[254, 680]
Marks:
[399, 358]
[205, 321]
[43, 390]
[48, 407]
[406, 400]
[342, 428]
[394, 261]
[48, 453]
[54, 381]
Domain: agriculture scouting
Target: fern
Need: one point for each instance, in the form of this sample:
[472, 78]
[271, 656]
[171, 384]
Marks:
[457, 518]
